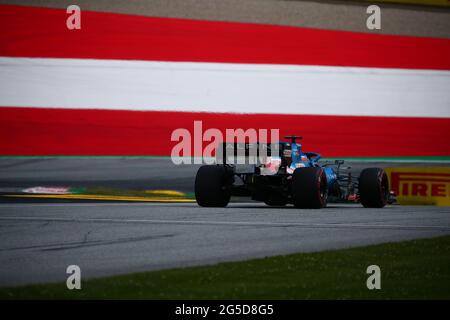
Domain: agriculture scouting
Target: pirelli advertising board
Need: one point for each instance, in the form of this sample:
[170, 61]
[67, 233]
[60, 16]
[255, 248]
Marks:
[421, 185]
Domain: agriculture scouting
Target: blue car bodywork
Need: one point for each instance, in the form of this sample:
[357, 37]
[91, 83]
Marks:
[284, 174]
[312, 161]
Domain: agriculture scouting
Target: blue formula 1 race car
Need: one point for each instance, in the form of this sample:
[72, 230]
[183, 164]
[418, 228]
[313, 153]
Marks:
[288, 176]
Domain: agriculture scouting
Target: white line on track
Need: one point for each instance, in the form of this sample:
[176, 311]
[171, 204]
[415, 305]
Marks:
[235, 223]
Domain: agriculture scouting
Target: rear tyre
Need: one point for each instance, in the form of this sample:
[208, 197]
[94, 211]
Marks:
[309, 188]
[373, 188]
[212, 186]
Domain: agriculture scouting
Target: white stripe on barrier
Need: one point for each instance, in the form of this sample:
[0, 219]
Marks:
[223, 87]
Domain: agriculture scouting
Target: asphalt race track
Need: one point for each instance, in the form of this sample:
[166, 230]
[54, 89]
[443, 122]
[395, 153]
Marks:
[39, 241]
[117, 172]
[121, 172]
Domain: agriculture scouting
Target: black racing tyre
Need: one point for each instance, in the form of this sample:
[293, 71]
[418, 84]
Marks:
[211, 186]
[276, 200]
[309, 188]
[373, 188]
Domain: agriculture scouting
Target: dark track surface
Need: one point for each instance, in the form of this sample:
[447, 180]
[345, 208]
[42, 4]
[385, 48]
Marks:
[39, 241]
[40, 238]
[145, 173]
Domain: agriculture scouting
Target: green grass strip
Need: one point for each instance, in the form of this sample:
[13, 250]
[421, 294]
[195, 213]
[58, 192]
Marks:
[107, 191]
[418, 269]
[395, 159]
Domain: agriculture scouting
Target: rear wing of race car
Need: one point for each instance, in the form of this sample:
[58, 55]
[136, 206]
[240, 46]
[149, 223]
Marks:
[246, 153]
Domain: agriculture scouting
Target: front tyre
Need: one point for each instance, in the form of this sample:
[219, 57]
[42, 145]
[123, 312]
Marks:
[373, 188]
[309, 188]
[212, 186]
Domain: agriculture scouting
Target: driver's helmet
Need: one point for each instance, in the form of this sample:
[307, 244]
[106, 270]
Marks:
[303, 161]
